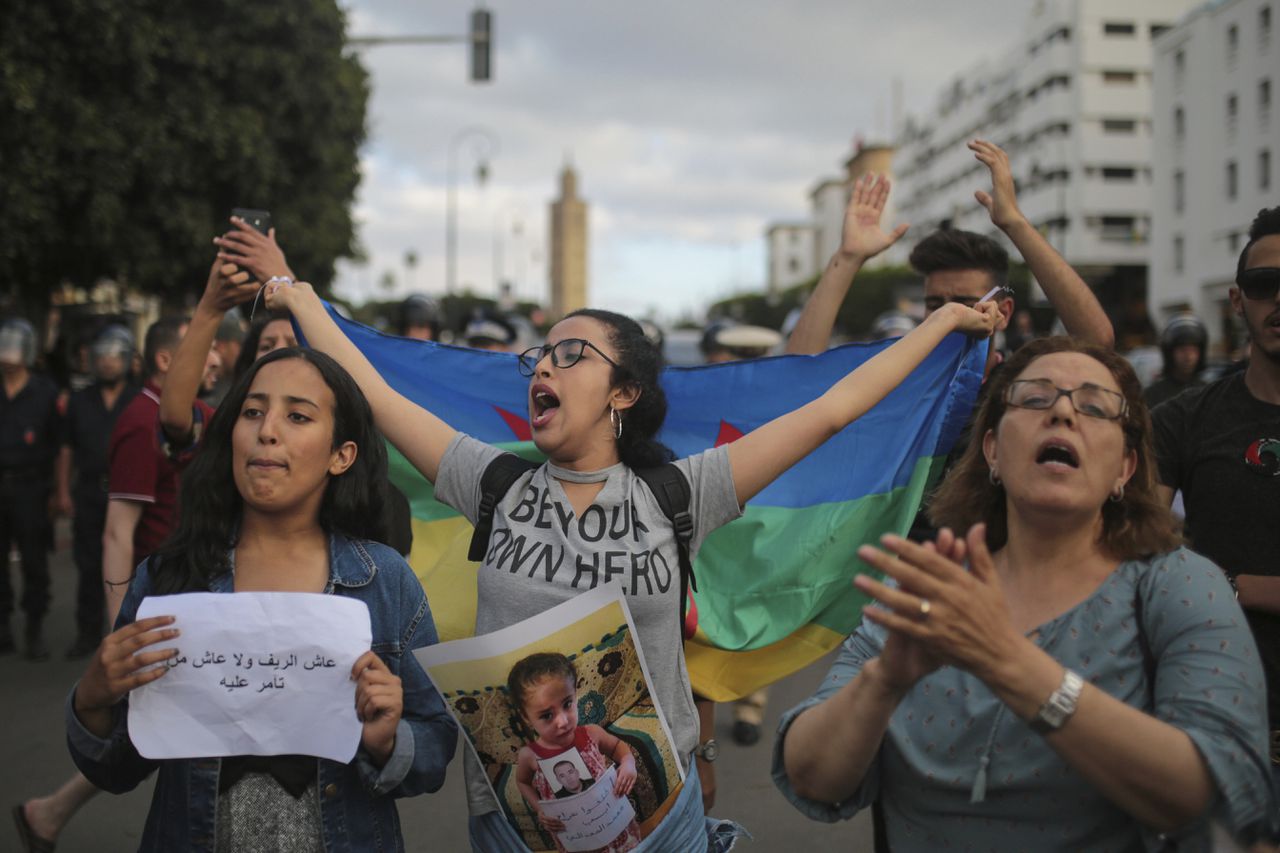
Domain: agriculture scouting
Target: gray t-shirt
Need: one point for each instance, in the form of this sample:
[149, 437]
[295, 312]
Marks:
[541, 554]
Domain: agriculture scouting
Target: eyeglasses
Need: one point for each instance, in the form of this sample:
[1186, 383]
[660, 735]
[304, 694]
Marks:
[1087, 399]
[565, 353]
[1260, 282]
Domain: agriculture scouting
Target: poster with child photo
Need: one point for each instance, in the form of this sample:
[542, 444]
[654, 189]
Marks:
[559, 712]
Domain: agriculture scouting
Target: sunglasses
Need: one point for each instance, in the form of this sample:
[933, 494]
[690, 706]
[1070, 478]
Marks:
[565, 353]
[1260, 282]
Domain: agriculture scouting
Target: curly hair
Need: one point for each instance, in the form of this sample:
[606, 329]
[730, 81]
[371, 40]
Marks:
[639, 364]
[210, 505]
[1138, 525]
[1265, 224]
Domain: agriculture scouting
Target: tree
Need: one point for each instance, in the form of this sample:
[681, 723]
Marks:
[129, 129]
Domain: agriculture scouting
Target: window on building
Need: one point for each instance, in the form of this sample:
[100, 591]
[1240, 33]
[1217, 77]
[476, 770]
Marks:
[1157, 29]
[1119, 78]
[1233, 43]
[1233, 112]
[1233, 242]
[1179, 124]
[1119, 174]
[1233, 177]
[1119, 125]
[793, 265]
[1178, 260]
[1264, 26]
[1118, 228]
[1264, 102]
[1179, 191]
[1264, 169]
[1119, 28]
[1179, 68]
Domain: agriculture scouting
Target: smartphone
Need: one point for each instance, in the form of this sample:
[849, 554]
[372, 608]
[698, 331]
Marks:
[259, 219]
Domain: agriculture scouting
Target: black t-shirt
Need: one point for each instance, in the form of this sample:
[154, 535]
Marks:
[1220, 446]
[30, 427]
[88, 432]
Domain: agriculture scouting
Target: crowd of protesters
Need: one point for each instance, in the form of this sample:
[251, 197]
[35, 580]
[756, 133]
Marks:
[1053, 657]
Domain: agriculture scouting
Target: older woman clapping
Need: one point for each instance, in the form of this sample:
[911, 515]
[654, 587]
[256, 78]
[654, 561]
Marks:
[1081, 682]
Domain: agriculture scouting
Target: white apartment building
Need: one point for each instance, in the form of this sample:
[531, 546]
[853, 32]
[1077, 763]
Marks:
[790, 251]
[1214, 154]
[827, 202]
[1071, 102]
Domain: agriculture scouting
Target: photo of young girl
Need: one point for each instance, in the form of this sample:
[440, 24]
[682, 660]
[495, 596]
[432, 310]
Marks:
[543, 691]
[558, 712]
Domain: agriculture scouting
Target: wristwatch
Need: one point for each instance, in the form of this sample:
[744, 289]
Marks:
[708, 750]
[1060, 705]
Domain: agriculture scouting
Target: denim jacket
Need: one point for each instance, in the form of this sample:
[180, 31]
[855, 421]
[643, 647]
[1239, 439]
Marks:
[357, 808]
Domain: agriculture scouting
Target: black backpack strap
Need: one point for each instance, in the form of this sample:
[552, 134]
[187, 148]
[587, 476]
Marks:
[498, 478]
[671, 488]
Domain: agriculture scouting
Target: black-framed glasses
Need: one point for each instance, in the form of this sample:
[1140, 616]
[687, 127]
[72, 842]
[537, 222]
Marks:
[565, 353]
[1260, 282]
[1088, 399]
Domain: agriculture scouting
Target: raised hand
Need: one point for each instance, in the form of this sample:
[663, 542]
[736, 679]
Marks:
[1002, 202]
[863, 236]
[226, 287]
[379, 704]
[250, 249]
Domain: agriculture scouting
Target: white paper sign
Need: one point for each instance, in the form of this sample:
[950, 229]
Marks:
[594, 817]
[257, 673]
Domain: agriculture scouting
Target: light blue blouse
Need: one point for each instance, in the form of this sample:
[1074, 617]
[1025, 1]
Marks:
[950, 727]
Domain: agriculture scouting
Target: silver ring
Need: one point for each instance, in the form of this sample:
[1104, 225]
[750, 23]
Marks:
[925, 608]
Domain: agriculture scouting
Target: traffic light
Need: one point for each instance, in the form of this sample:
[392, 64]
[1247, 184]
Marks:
[481, 45]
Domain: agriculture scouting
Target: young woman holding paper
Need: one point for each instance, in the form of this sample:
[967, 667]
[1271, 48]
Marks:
[595, 405]
[280, 498]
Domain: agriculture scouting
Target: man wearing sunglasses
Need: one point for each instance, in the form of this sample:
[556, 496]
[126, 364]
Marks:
[1220, 445]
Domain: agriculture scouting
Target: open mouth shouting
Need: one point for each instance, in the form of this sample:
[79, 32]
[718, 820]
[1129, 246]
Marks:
[543, 405]
[1057, 454]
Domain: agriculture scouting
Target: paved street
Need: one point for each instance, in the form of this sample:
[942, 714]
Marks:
[34, 759]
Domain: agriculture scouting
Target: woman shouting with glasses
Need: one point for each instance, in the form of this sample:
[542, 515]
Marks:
[595, 407]
[1063, 677]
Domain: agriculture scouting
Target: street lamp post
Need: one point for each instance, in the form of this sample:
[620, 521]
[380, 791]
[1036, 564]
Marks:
[484, 147]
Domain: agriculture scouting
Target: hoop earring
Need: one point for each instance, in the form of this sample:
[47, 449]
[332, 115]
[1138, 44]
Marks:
[1117, 495]
[616, 420]
[993, 477]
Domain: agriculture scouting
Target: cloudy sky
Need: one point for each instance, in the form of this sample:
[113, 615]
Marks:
[691, 126]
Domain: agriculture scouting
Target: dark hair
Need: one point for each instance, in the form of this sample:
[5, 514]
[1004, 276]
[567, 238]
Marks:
[527, 672]
[1138, 525]
[561, 763]
[210, 505]
[949, 249]
[163, 334]
[249, 347]
[1265, 224]
[639, 364]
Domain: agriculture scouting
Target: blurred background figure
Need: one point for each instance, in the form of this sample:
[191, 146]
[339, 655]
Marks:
[489, 330]
[891, 324]
[82, 474]
[418, 317]
[724, 340]
[227, 343]
[29, 430]
[1182, 347]
[1020, 331]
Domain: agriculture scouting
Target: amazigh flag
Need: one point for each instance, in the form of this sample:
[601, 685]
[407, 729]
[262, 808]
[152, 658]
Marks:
[774, 587]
